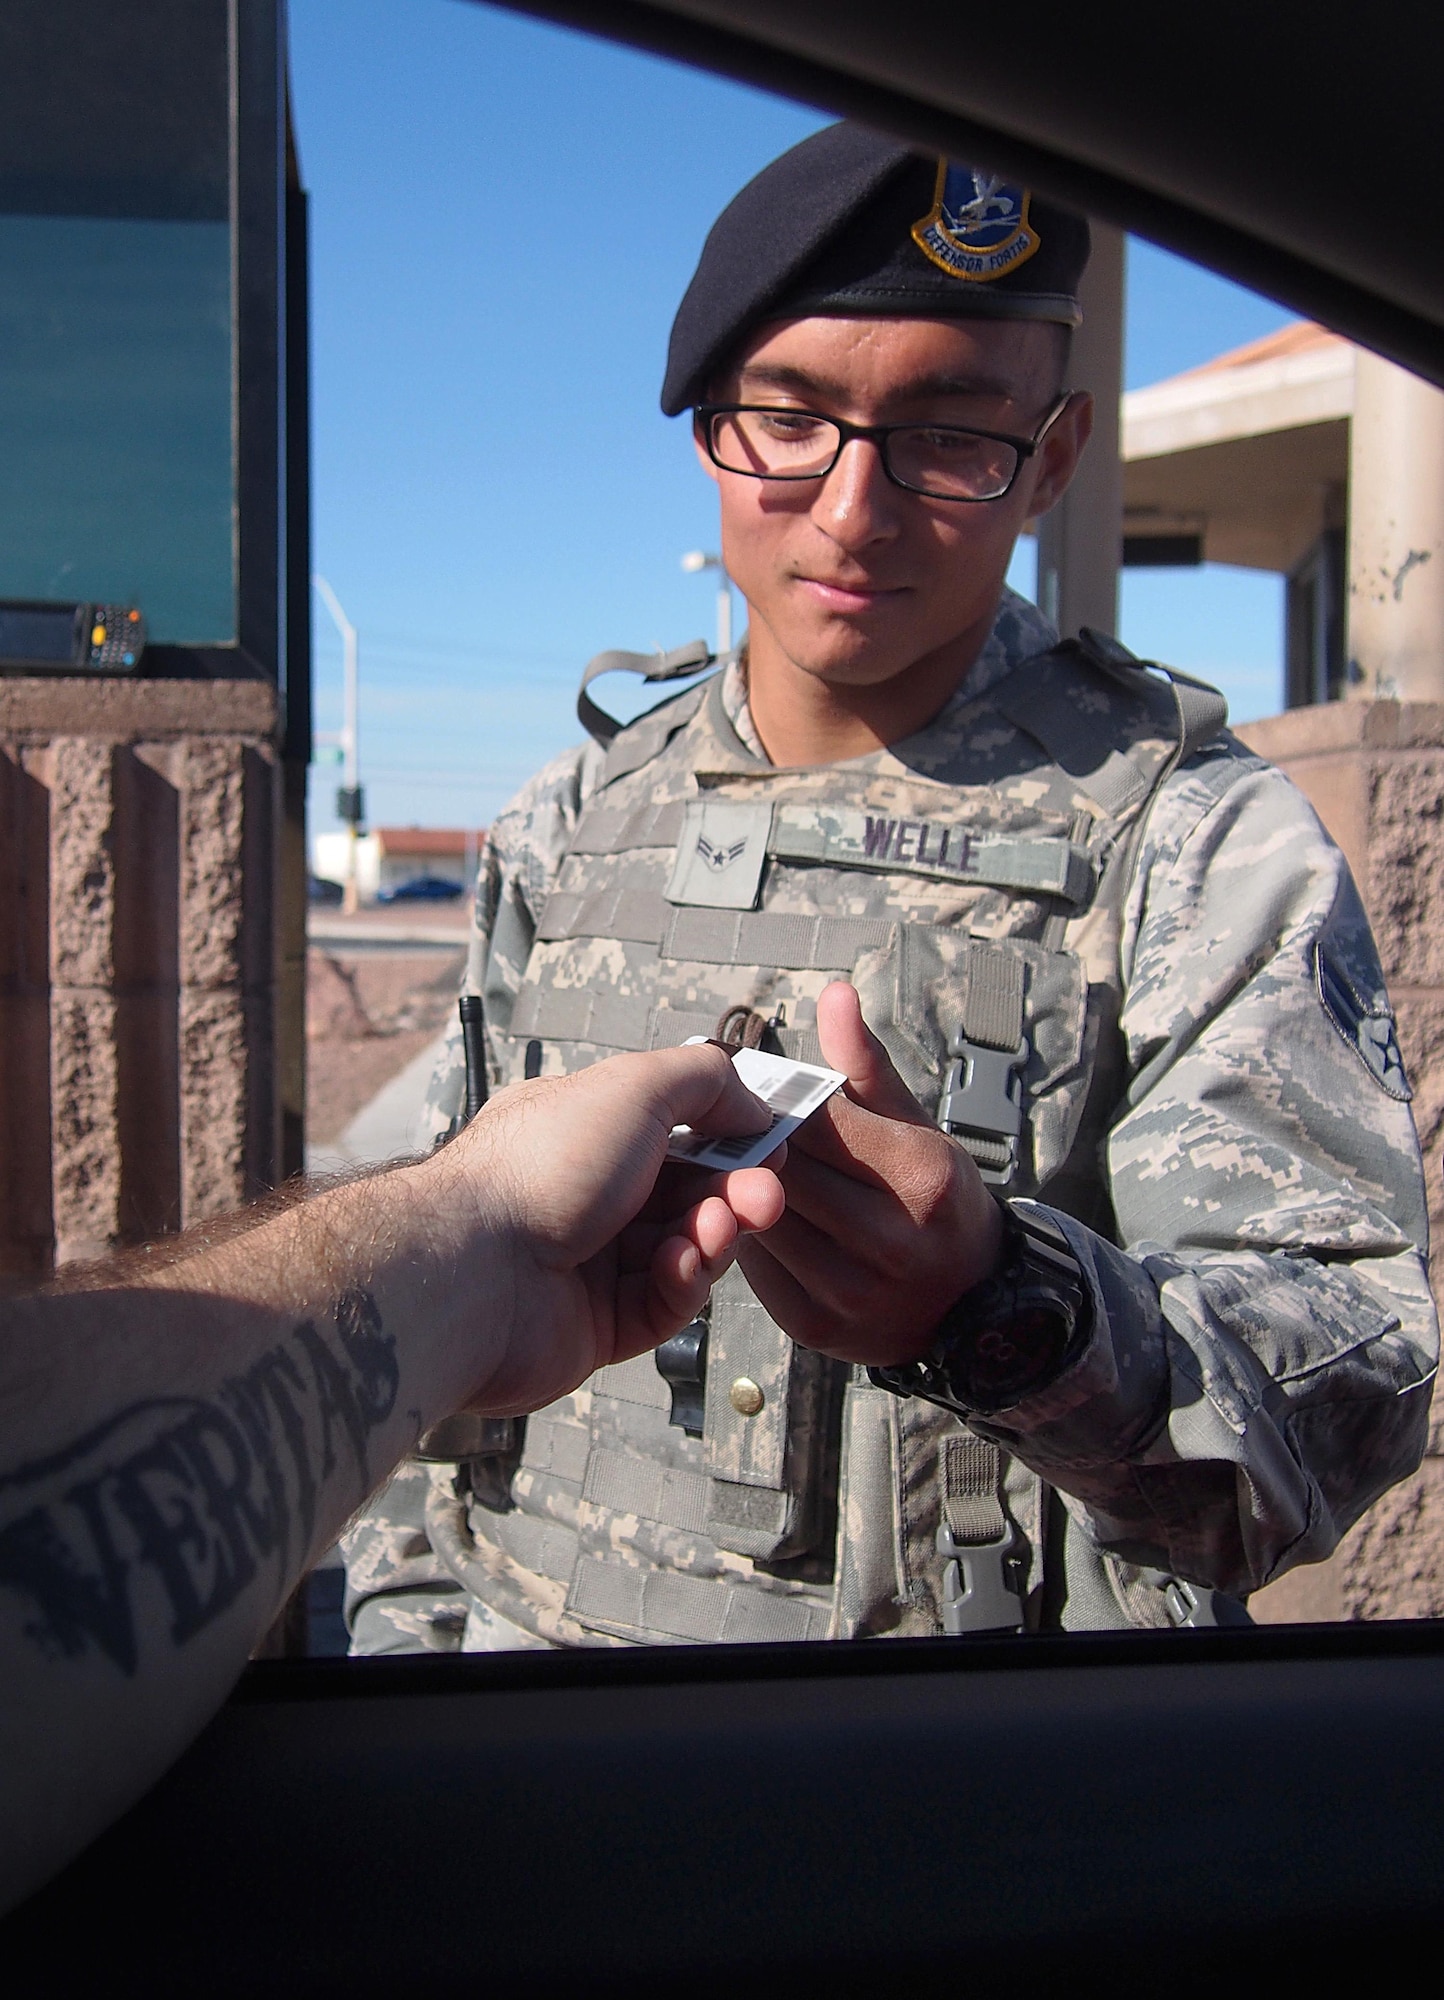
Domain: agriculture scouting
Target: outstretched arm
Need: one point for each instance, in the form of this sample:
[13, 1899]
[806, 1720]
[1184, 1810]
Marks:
[176, 1445]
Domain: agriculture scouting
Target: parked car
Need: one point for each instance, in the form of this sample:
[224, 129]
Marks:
[320, 890]
[423, 889]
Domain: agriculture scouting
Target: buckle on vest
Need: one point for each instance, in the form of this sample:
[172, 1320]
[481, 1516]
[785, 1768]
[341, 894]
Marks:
[982, 1104]
[982, 1584]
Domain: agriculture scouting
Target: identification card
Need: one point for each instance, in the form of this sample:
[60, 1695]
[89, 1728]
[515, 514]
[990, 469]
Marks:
[792, 1091]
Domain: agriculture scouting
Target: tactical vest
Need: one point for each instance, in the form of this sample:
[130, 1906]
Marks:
[970, 882]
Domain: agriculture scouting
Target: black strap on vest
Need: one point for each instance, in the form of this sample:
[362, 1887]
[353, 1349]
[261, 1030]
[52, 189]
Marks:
[678, 665]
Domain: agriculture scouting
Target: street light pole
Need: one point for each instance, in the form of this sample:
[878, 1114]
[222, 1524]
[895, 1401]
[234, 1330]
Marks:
[348, 799]
[694, 562]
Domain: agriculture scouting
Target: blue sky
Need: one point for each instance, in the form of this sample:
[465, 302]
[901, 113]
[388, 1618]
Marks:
[504, 216]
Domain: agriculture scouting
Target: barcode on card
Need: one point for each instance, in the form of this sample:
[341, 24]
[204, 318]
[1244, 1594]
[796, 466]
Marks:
[733, 1149]
[789, 1093]
[792, 1091]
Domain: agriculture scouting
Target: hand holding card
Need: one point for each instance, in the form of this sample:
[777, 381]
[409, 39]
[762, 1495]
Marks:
[792, 1091]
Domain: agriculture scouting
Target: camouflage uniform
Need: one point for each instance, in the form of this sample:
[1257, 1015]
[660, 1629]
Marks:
[1216, 1117]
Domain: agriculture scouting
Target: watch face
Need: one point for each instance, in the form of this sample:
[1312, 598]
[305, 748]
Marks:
[999, 1363]
[1008, 1337]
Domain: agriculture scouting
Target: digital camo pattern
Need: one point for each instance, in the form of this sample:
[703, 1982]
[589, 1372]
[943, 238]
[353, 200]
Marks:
[1264, 1340]
[1266, 1187]
[398, 1599]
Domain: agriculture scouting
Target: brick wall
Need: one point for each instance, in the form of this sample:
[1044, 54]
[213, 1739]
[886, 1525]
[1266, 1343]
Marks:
[139, 828]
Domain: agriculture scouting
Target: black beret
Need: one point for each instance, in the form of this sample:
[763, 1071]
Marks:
[849, 223]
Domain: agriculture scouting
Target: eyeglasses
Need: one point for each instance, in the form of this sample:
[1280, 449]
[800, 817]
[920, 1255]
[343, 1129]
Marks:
[940, 461]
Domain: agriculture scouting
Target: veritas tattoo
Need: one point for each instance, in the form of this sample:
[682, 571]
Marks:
[196, 1493]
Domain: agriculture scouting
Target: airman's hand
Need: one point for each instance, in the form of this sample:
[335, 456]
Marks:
[887, 1222]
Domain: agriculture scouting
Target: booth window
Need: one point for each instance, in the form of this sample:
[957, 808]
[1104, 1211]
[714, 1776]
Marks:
[118, 481]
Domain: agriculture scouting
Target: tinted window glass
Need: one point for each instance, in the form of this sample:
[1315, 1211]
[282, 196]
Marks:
[117, 476]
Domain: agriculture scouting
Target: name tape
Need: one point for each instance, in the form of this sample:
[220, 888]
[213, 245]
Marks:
[844, 837]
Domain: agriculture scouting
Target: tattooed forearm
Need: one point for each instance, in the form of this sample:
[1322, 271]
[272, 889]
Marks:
[177, 1502]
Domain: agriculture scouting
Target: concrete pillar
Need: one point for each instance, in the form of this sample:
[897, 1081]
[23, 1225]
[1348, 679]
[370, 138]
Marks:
[212, 1014]
[1080, 543]
[27, 1231]
[84, 1067]
[139, 854]
[1396, 535]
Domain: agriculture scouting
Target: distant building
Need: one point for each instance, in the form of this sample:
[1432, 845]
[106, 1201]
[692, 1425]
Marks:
[394, 855]
[1316, 460]
[1247, 460]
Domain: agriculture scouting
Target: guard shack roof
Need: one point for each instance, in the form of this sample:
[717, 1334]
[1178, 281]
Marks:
[1243, 460]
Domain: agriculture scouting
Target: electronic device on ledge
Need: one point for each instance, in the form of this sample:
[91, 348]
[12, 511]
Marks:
[38, 637]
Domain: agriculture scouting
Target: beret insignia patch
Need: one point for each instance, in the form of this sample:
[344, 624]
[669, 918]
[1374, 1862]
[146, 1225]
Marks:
[977, 228]
[1365, 1024]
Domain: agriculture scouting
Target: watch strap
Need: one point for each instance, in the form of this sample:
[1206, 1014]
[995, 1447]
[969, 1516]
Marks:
[1011, 1335]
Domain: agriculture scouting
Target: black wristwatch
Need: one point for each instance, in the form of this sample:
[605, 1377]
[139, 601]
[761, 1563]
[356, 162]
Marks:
[1010, 1335]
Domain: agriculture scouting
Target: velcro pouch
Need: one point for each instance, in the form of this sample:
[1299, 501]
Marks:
[762, 1457]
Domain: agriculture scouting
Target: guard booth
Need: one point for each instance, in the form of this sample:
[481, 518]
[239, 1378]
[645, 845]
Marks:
[154, 620]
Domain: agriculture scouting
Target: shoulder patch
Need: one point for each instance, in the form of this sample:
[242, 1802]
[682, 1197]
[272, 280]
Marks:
[1365, 1022]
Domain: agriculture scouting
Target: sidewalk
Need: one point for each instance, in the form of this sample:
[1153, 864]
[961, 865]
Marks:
[388, 1128]
[390, 929]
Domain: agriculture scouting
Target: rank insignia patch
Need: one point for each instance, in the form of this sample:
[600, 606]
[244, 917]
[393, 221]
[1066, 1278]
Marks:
[978, 227]
[721, 854]
[1366, 1024]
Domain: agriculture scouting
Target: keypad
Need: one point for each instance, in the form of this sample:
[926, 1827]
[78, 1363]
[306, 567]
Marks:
[116, 639]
